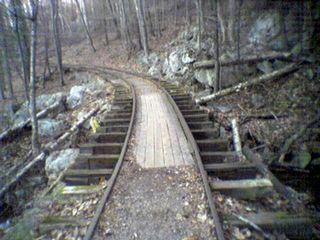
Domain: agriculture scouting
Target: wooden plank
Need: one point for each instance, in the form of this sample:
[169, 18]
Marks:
[88, 172]
[294, 225]
[244, 189]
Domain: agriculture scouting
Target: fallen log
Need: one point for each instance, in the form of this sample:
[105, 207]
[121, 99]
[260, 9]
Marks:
[295, 136]
[249, 59]
[265, 77]
[256, 159]
[236, 139]
[45, 152]
[4, 135]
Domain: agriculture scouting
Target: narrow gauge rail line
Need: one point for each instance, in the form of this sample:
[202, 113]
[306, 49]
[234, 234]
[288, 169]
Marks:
[215, 159]
[103, 156]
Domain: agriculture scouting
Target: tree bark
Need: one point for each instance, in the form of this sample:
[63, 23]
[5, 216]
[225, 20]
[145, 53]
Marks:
[156, 19]
[5, 61]
[249, 59]
[217, 83]
[222, 22]
[23, 52]
[32, 104]
[114, 19]
[199, 23]
[85, 26]
[142, 26]
[124, 26]
[266, 77]
[56, 37]
[188, 21]
[105, 22]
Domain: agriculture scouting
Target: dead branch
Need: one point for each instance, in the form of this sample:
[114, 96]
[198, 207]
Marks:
[18, 127]
[249, 59]
[253, 225]
[265, 77]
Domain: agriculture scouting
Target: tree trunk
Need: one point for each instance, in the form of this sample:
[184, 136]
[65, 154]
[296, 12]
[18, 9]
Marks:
[231, 18]
[222, 22]
[217, 83]
[105, 22]
[56, 37]
[266, 77]
[156, 20]
[188, 21]
[32, 103]
[22, 52]
[124, 26]
[85, 26]
[114, 19]
[200, 23]
[5, 61]
[142, 26]
[249, 59]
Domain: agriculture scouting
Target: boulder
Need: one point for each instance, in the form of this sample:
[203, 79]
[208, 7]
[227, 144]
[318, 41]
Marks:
[175, 62]
[60, 160]
[50, 128]
[205, 76]
[76, 96]
[42, 102]
[155, 70]
[152, 59]
[265, 28]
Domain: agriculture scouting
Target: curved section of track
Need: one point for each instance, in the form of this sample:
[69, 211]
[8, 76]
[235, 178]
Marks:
[215, 161]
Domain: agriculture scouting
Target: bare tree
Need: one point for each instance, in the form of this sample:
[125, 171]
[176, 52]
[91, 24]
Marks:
[5, 56]
[199, 22]
[114, 19]
[18, 17]
[84, 21]
[32, 103]
[156, 19]
[217, 84]
[142, 26]
[188, 20]
[56, 37]
[124, 26]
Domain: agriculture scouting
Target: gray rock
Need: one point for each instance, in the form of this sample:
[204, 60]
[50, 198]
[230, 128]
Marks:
[265, 67]
[175, 62]
[50, 128]
[152, 59]
[76, 97]
[187, 57]
[205, 76]
[265, 28]
[43, 102]
[155, 70]
[60, 160]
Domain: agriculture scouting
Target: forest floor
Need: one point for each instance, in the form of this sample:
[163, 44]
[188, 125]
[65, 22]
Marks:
[290, 102]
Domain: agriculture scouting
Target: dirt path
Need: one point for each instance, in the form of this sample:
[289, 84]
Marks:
[158, 203]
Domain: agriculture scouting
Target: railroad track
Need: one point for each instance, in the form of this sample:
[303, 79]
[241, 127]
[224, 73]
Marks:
[222, 170]
[99, 162]
[219, 166]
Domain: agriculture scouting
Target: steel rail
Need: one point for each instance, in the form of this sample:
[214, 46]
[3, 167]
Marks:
[95, 220]
[187, 132]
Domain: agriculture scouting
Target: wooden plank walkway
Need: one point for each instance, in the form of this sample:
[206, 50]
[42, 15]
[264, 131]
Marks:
[160, 141]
